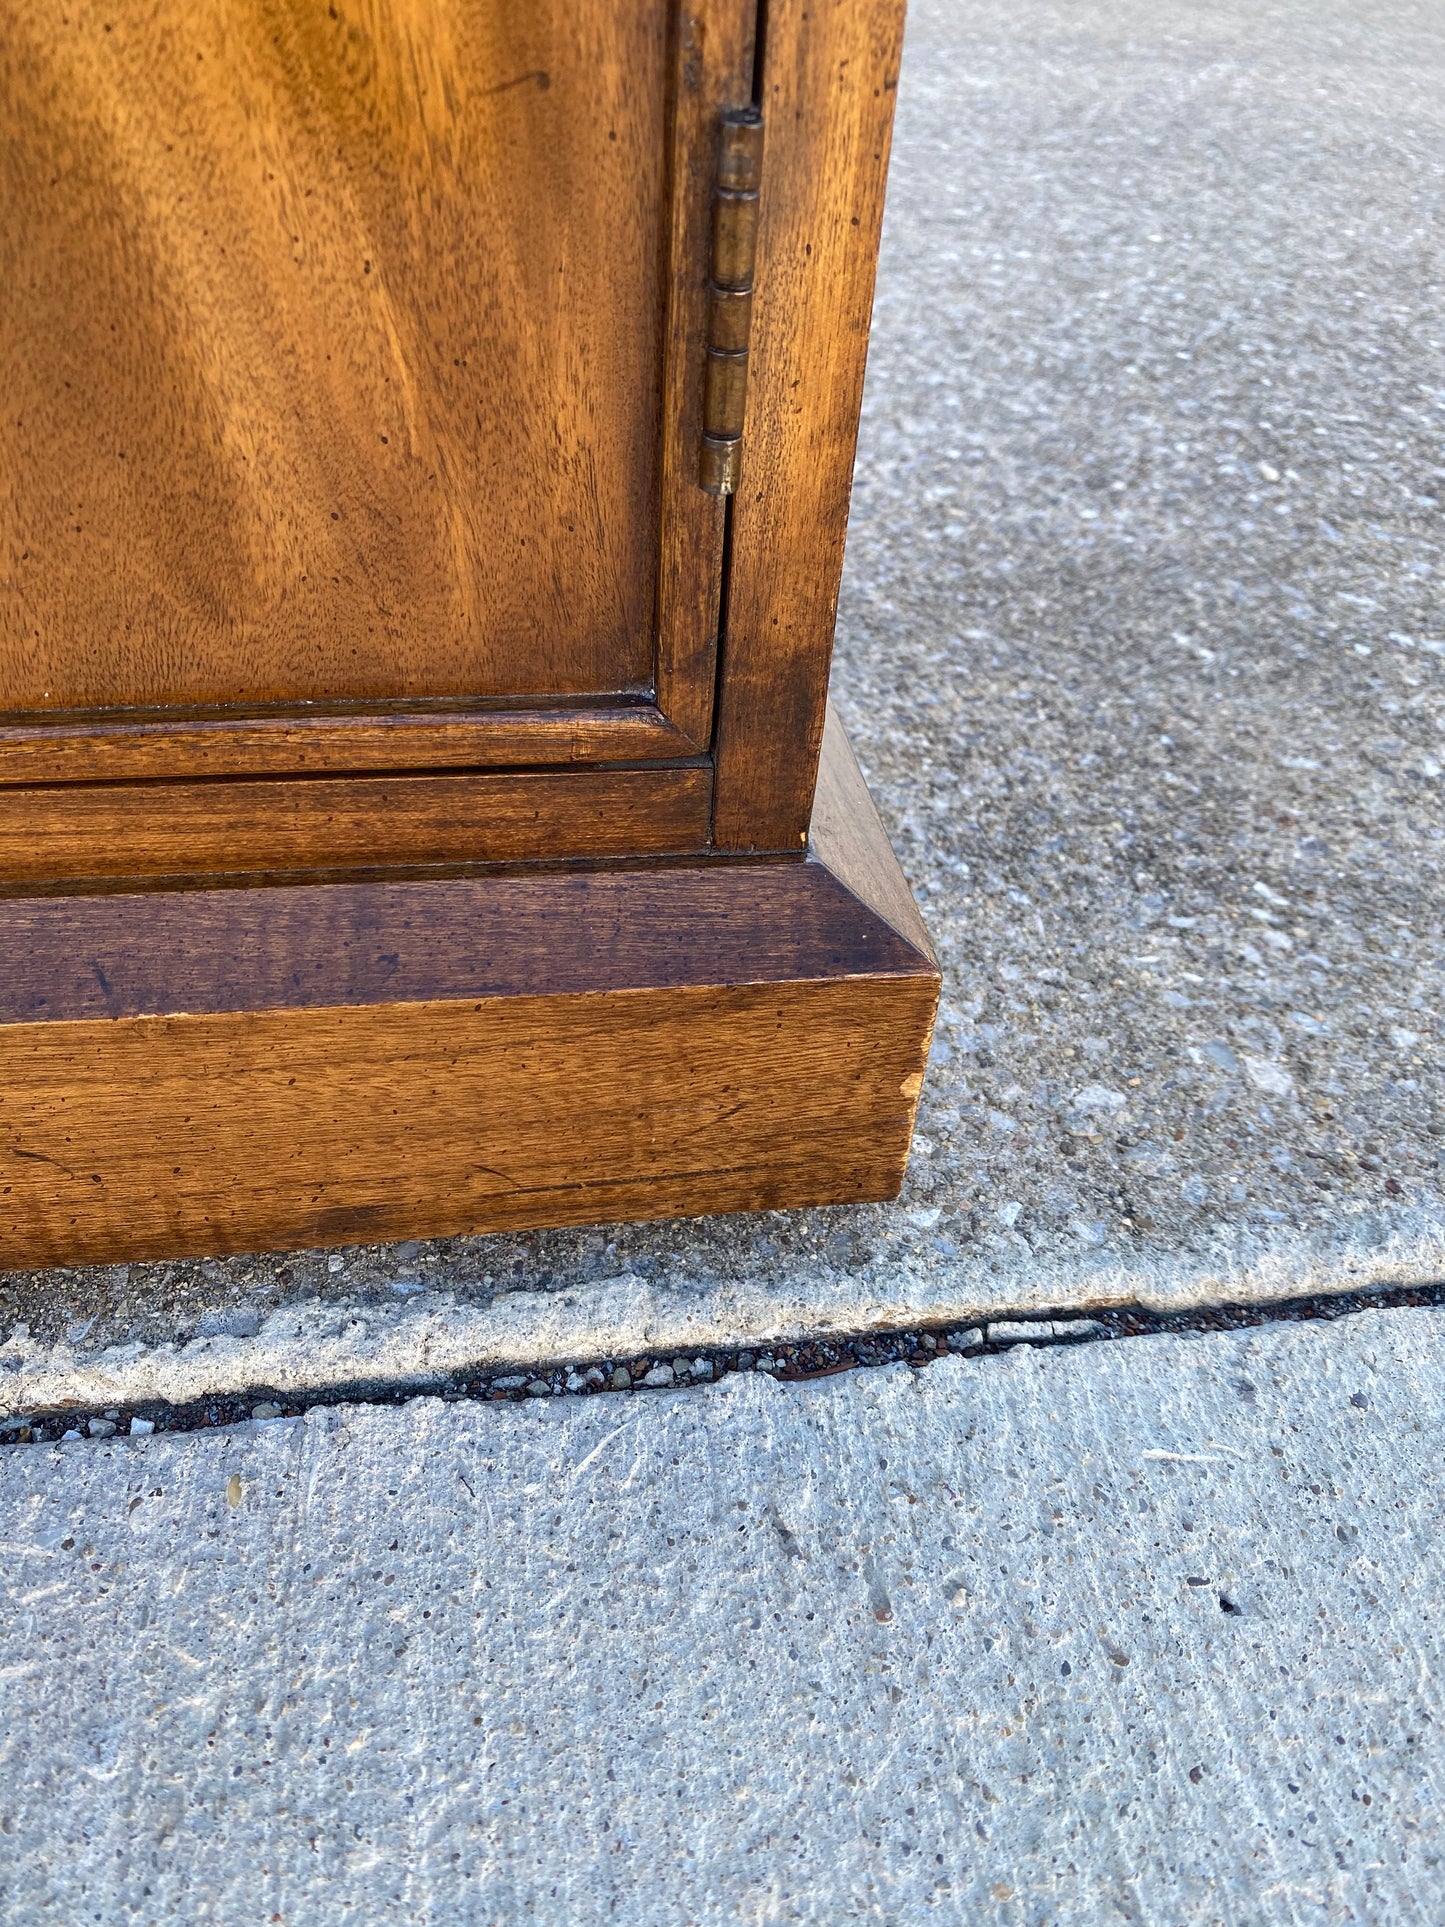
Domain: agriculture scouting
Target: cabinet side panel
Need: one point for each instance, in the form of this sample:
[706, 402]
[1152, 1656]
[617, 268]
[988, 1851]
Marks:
[831, 71]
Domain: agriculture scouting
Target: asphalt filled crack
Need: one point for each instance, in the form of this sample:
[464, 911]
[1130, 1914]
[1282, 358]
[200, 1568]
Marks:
[791, 1362]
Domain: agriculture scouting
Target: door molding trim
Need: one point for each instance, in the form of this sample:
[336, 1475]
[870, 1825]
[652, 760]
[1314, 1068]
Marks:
[100, 750]
[85, 834]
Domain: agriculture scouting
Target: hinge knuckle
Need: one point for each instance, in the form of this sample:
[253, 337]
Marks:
[734, 239]
[730, 315]
[725, 397]
[740, 150]
[736, 188]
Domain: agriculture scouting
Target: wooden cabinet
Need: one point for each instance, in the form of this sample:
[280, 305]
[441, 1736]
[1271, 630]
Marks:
[429, 426]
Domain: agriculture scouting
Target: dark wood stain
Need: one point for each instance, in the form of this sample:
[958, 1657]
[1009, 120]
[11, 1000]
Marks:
[70, 959]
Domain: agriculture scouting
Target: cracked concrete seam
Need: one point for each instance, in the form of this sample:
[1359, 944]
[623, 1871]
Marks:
[432, 1335]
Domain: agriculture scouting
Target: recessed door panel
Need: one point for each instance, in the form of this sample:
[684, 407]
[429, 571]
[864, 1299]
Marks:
[348, 348]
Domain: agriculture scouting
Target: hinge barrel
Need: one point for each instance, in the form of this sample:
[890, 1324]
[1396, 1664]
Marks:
[736, 187]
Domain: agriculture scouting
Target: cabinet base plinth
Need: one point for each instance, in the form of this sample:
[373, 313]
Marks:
[231, 1070]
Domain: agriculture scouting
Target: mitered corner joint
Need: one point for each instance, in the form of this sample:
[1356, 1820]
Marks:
[736, 188]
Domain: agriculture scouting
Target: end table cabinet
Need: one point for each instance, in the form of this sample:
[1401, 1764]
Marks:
[428, 431]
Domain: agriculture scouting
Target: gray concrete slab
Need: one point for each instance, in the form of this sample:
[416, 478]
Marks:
[1143, 634]
[1142, 642]
[1145, 1632]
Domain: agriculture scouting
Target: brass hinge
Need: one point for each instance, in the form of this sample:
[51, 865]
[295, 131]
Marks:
[730, 297]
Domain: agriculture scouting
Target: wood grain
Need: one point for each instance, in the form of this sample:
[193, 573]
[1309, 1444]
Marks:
[311, 946]
[170, 1135]
[229, 1070]
[331, 349]
[356, 360]
[107, 749]
[831, 69]
[252, 826]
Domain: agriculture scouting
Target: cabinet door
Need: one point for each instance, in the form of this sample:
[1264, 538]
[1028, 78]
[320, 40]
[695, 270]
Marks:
[351, 358]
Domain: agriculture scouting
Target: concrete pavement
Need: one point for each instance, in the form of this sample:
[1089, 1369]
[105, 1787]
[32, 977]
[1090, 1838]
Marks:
[1141, 1632]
